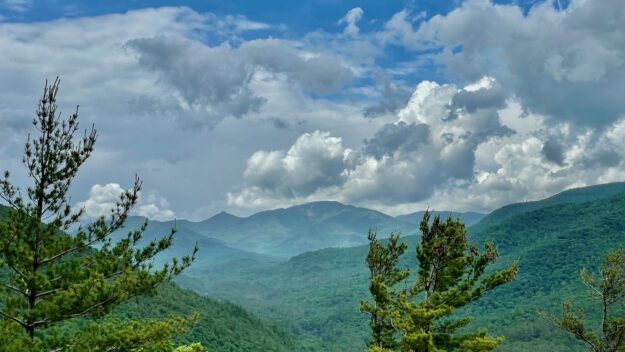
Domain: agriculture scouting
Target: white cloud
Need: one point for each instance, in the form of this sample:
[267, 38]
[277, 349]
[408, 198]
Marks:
[351, 20]
[18, 5]
[152, 116]
[566, 64]
[542, 110]
[103, 198]
[315, 161]
[470, 148]
[432, 142]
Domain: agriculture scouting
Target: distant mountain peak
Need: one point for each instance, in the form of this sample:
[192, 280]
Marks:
[224, 214]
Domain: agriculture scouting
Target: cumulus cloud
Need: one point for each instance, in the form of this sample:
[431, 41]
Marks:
[102, 198]
[316, 160]
[433, 141]
[351, 20]
[540, 113]
[567, 64]
[459, 148]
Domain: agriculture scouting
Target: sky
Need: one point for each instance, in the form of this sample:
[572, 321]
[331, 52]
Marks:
[397, 106]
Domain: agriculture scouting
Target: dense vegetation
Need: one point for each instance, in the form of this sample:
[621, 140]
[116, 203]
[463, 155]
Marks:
[451, 275]
[51, 280]
[221, 326]
[317, 294]
[571, 196]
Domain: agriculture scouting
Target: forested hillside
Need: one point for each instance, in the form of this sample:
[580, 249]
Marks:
[575, 195]
[318, 293]
[221, 326]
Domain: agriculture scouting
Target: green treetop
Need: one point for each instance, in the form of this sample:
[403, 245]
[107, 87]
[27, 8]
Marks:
[47, 277]
[451, 275]
[609, 290]
[384, 274]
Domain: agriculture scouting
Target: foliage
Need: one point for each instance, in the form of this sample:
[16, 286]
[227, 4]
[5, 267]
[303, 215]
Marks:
[384, 274]
[571, 196]
[315, 295]
[450, 276]
[219, 326]
[609, 290]
[51, 278]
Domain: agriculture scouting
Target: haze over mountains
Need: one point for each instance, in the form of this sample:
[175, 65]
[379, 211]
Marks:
[280, 233]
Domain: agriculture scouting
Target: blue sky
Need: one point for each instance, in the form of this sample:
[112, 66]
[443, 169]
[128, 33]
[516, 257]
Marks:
[251, 105]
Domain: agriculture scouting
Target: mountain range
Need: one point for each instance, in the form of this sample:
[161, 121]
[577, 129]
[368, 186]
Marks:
[315, 295]
[302, 270]
[276, 234]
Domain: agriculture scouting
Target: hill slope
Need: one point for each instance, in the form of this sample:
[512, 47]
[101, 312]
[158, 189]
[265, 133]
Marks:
[221, 326]
[318, 293]
[574, 195]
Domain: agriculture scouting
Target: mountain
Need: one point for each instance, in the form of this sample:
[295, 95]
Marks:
[317, 294]
[298, 229]
[469, 218]
[211, 252]
[574, 195]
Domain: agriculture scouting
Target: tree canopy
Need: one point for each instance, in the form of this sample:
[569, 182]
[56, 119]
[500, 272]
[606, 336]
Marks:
[49, 277]
[451, 274]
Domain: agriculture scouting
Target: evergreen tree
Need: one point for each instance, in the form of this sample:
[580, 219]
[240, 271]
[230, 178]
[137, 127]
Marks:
[49, 278]
[384, 274]
[451, 275]
[609, 290]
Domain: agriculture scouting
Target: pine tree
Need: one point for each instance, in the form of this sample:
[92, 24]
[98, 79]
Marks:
[384, 274]
[609, 290]
[451, 275]
[48, 278]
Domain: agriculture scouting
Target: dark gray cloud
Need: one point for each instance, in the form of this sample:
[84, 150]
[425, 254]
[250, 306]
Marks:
[213, 81]
[279, 123]
[400, 137]
[393, 96]
[318, 72]
[470, 101]
[552, 119]
[553, 151]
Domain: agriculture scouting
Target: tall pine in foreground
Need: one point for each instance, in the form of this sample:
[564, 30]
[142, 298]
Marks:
[384, 274]
[451, 275]
[609, 290]
[52, 283]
